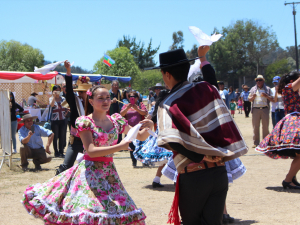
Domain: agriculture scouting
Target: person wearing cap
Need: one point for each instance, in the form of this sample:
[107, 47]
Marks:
[33, 99]
[261, 96]
[30, 136]
[246, 102]
[200, 146]
[277, 107]
[76, 104]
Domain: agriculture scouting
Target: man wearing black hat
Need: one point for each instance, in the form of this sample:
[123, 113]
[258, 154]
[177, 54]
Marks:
[195, 124]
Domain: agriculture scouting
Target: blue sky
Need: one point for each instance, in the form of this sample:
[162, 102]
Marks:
[82, 31]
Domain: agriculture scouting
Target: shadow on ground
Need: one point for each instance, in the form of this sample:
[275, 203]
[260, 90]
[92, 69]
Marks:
[167, 187]
[244, 222]
[281, 189]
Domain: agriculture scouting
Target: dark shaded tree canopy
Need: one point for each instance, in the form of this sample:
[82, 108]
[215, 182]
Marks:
[143, 56]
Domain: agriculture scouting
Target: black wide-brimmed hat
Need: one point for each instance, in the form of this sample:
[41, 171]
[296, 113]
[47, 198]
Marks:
[171, 58]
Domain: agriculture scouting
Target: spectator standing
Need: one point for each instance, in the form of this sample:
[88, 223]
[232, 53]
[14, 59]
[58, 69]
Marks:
[33, 99]
[223, 93]
[277, 107]
[237, 95]
[30, 136]
[231, 95]
[58, 121]
[116, 99]
[246, 102]
[14, 123]
[134, 114]
[232, 107]
[260, 95]
[115, 94]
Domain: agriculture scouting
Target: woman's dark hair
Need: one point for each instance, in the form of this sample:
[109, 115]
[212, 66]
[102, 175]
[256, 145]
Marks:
[55, 87]
[179, 72]
[88, 107]
[134, 93]
[13, 101]
[286, 79]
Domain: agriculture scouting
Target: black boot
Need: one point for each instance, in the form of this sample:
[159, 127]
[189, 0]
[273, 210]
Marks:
[60, 169]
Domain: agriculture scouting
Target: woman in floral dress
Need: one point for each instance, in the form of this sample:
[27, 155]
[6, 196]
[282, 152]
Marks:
[284, 141]
[90, 192]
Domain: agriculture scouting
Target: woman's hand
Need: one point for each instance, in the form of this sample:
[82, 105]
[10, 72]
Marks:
[124, 144]
[146, 124]
[135, 107]
[209, 158]
[68, 67]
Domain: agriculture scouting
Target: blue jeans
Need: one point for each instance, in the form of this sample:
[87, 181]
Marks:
[279, 114]
[14, 126]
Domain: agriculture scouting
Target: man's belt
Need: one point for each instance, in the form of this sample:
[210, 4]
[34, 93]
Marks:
[260, 107]
[201, 166]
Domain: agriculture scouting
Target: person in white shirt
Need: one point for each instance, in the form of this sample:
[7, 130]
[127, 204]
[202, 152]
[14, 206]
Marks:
[277, 107]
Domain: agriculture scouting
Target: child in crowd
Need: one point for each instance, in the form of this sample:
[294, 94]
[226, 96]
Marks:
[240, 105]
[232, 107]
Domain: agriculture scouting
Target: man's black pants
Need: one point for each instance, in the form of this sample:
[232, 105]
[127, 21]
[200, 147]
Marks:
[71, 154]
[59, 129]
[247, 108]
[202, 196]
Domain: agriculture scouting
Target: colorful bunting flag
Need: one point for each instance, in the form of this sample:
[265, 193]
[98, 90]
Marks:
[108, 61]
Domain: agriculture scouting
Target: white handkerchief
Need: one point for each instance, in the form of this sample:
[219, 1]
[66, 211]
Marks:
[152, 133]
[79, 157]
[133, 132]
[46, 69]
[203, 38]
[194, 69]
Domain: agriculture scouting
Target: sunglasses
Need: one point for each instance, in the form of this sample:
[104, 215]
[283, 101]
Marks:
[259, 80]
[158, 88]
[133, 96]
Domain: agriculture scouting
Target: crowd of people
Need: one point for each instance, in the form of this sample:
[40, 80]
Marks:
[196, 143]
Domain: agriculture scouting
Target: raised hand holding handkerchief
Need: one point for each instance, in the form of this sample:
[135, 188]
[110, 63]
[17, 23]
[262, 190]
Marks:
[46, 69]
[203, 38]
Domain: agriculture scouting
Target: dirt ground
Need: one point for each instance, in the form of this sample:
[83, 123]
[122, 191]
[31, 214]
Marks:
[255, 198]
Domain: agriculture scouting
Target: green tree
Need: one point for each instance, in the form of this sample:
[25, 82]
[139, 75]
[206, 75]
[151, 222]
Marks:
[143, 56]
[242, 48]
[124, 64]
[277, 68]
[193, 53]
[177, 40]
[147, 79]
[15, 56]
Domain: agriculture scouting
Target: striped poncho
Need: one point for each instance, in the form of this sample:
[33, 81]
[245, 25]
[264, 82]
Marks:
[196, 117]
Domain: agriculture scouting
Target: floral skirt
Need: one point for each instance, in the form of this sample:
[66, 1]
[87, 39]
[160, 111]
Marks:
[148, 152]
[88, 193]
[284, 140]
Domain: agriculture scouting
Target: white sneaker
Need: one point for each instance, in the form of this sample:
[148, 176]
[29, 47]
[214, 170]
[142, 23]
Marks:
[15, 151]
